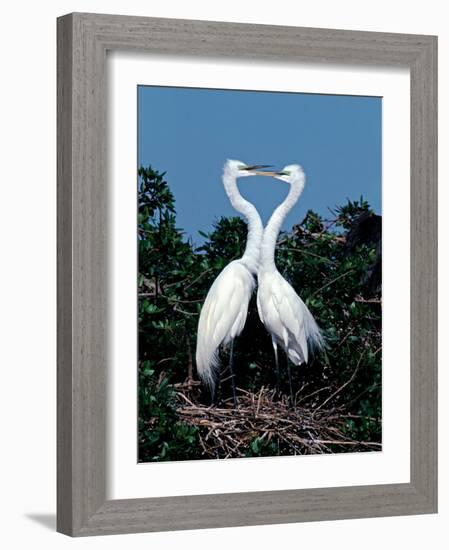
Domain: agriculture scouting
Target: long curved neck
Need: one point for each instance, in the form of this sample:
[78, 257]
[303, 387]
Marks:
[255, 228]
[274, 224]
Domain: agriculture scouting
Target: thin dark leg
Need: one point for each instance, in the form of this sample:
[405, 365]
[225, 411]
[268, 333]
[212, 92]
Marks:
[215, 392]
[276, 360]
[290, 383]
[231, 369]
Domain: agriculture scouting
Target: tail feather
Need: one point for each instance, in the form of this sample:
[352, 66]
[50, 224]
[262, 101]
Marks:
[207, 363]
[314, 336]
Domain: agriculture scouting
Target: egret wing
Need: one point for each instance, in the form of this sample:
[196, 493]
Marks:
[223, 316]
[291, 314]
[282, 312]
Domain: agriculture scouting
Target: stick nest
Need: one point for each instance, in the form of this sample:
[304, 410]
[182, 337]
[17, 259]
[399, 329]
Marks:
[264, 424]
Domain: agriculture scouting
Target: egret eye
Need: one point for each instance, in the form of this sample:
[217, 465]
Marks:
[242, 167]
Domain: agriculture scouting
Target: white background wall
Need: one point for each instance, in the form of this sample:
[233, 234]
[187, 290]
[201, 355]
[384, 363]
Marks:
[27, 285]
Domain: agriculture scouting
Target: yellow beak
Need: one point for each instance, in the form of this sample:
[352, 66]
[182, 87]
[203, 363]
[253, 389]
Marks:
[272, 174]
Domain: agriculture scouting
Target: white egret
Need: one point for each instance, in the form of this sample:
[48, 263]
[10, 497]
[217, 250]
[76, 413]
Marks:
[224, 311]
[281, 310]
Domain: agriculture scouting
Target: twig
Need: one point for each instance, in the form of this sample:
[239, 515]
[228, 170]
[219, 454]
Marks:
[227, 432]
[177, 308]
[343, 386]
[198, 278]
[302, 251]
[313, 393]
[362, 300]
[337, 442]
[346, 336]
[332, 282]
[258, 402]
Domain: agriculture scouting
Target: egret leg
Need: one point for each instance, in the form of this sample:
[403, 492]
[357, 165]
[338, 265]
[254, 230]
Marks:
[290, 382]
[231, 369]
[276, 360]
[215, 392]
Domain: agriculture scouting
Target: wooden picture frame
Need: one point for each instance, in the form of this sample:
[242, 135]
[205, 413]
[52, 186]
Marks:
[83, 40]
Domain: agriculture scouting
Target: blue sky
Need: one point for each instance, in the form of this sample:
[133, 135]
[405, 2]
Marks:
[189, 133]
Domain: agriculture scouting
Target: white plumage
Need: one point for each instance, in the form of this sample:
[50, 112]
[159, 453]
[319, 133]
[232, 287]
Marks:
[224, 312]
[286, 317]
[281, 310]
[223, 316]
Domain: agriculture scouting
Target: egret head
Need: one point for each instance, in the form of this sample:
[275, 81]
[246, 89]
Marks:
[290, 173]
[239, 169]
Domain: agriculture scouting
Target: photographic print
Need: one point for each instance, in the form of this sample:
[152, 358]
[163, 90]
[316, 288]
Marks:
[259, 274]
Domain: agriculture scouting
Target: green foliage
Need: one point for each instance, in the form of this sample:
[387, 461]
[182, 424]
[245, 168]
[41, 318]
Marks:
[161, 435]
[346, 215]
[262, 447]
[174, 278]
[225, 243]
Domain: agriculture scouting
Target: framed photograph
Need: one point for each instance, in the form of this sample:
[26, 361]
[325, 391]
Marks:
[247, 248]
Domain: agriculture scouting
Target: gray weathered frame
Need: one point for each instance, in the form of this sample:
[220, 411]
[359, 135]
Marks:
[83, 40]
